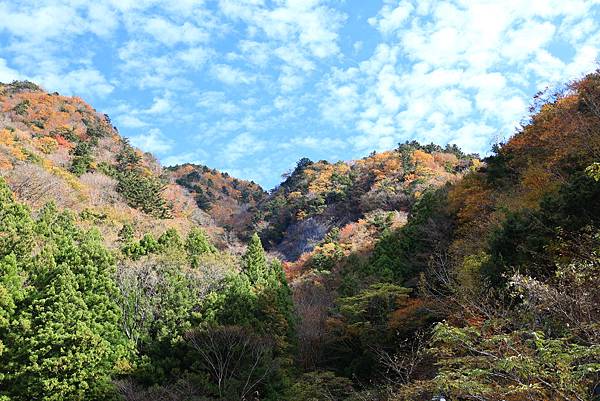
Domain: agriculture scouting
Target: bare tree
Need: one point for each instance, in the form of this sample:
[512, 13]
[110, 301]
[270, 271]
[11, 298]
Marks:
[36, 186]
[400, 367]
[312, 301]
[237, 360]
[102, 189]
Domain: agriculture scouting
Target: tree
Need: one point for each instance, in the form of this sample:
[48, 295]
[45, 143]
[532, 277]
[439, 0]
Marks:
[59, 322]
[143, 192]
[254, 261]
[362, 328]
[237, 360]
[321, 386]
[197, 244]
[475, 363]
[82, 159]
[170, 241]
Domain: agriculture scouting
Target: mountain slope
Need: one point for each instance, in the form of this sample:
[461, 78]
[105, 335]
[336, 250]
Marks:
[319, 196]
[231, 202]
[57, 148]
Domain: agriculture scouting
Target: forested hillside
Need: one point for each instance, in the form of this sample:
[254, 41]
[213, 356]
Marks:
[410, 274]
[319, 196]
[231, 202]
[57, 148]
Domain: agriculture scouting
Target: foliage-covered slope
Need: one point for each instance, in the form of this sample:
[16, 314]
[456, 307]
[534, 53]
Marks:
[231, 202]
[507, 261]
[319, 196]
[56, 148]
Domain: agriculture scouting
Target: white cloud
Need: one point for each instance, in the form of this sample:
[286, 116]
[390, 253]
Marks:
[242, 145]
[232, 76]
[7, 74]
[390, 18]
[160, 105]
[81, 82]
[257, 53]
[171, 34]
[450, 71]
[217, 102]
[130, 121]
[314, 143]
[309, 23]
[153, 141]
[181, 158]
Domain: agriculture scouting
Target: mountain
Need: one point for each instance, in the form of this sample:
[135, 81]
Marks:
[412, 274]
[317, 197]
[231, 202]
[57, 148]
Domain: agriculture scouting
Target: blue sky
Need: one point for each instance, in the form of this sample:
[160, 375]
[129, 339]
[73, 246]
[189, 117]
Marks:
[251, 86]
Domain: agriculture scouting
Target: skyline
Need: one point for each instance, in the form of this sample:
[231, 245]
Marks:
[250, 86]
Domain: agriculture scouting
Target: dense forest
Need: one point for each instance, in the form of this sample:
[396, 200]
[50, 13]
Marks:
[419, 273]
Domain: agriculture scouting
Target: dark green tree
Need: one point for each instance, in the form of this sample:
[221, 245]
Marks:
[254, 261]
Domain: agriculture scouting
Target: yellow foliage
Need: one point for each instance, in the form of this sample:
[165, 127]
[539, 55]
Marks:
[46, 144]
[323, 177]
[294, 195]
[7, 138]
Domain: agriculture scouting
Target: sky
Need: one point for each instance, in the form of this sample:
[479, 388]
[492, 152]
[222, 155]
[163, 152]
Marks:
[252, 86]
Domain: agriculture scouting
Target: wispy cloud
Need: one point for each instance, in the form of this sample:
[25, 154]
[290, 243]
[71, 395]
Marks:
[234, 82]
[153, 141]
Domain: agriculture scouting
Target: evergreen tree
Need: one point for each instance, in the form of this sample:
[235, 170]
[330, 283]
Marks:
[197, 244]
[126, 233]
[254, 261]
[170, 241]
[59, 324]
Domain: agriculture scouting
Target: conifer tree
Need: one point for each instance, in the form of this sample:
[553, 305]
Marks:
[59, 322]
[197, 244]
[254, 261]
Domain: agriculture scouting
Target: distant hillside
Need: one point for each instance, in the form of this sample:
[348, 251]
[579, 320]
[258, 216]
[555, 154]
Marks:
[319, 196]
[231, 202]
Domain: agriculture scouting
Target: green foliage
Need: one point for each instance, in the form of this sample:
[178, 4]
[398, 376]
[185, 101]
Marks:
[528, 239]
[159, 305]
[59, 322]
[257, 299]
[82, 159]
[19, 86]
[127, 158]
[402, 254]
[594, 171]
[196, 245]
[145, 246]
[364, 327]
[22, 108]
[254, 261]
[141, 190]
[371, 308]
[126, 233]
[143, 193]
[523, 364]
[170, 241]
[318, 386]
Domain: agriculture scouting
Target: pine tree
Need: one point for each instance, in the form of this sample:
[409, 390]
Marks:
[170, 241]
